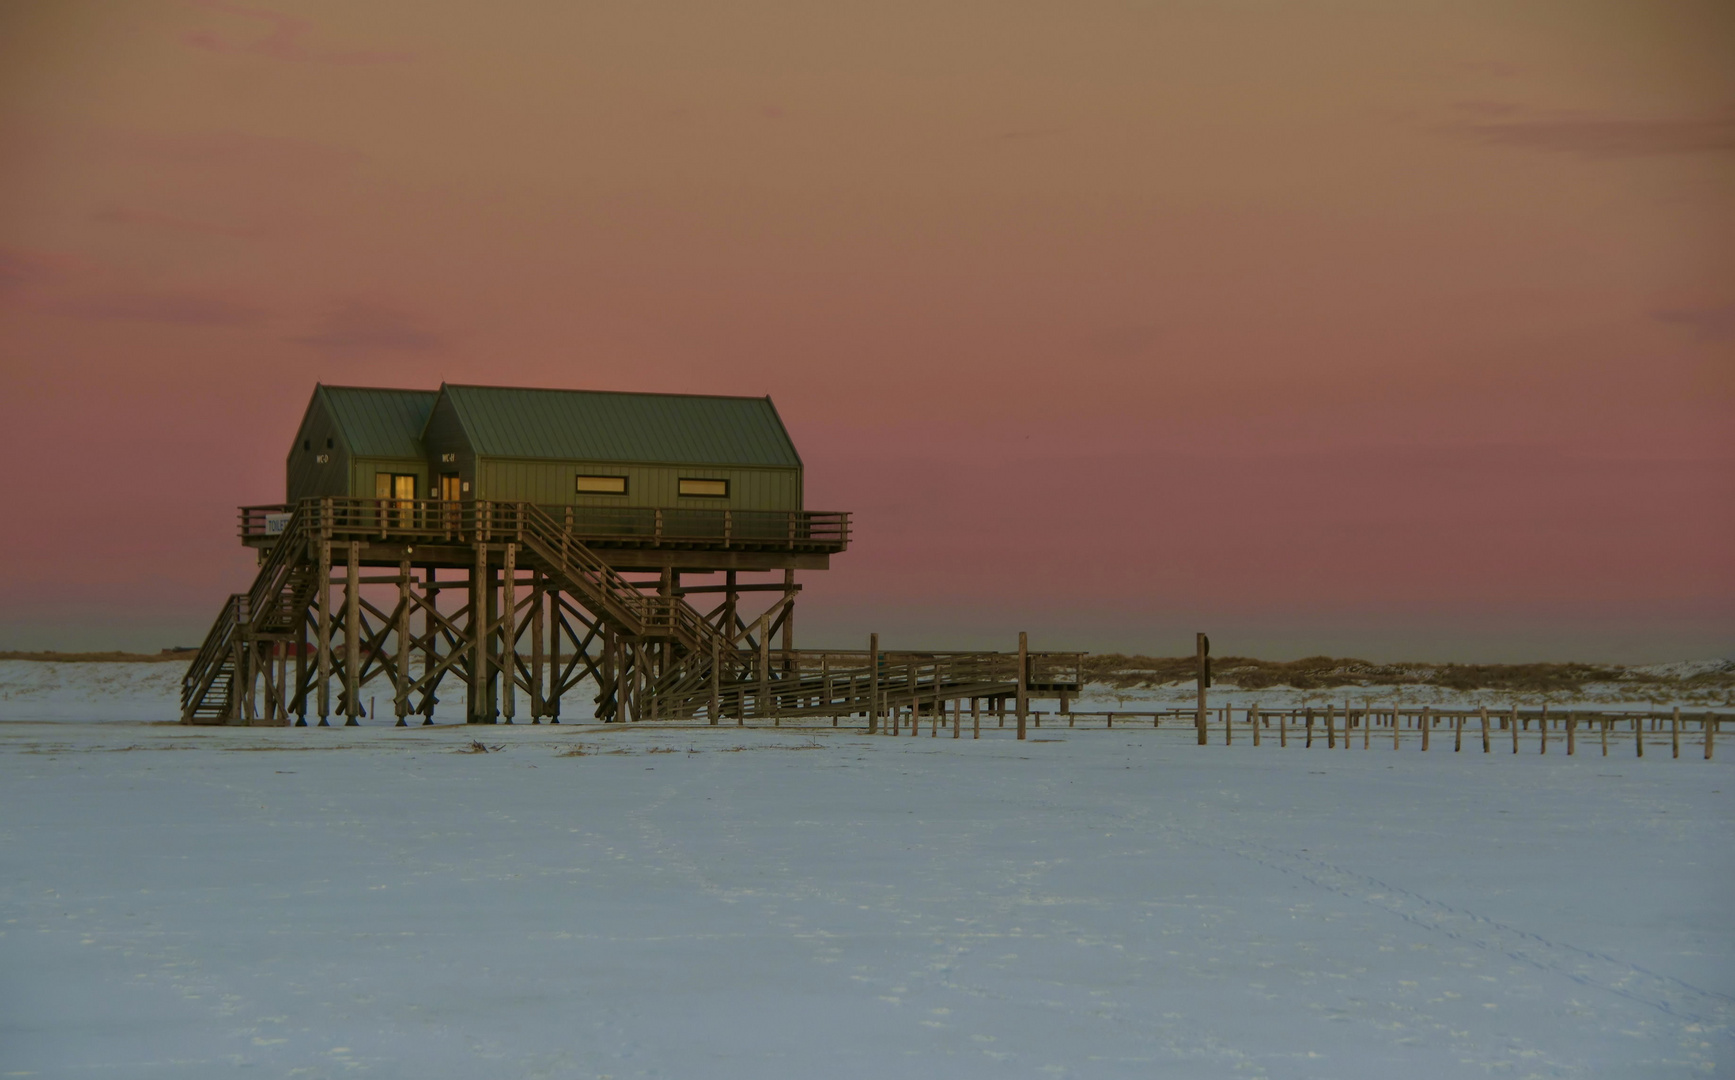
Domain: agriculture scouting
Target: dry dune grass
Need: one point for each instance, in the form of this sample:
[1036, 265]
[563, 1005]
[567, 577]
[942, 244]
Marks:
[101, 657]
[1320, 672]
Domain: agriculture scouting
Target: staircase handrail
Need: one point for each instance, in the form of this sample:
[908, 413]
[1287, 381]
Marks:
[208, 661]
[280, 560]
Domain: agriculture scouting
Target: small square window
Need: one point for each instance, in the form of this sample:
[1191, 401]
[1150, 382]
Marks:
[704, 489]
[307, 444]
[328, 444]
[601, 485]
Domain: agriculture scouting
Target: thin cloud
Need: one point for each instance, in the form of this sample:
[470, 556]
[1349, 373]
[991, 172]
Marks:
[362, 326]
[1590, 135]
[21, 271]
[172, 308]
[282, 39]
[124, 216]
[1713, 323]
[234, 149]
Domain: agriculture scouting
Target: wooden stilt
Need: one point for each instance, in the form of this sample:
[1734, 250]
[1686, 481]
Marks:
[1024, 682]
[322, 629]
[477, 710]
[537, 675]
[352, 636]
[556, 685]
[401, 682]
[509, 633]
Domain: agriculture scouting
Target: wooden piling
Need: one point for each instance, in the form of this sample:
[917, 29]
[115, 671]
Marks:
[1253, 720]
[322, 630]
[1427, 724]
[1485, 746]
[352, 636]
[1330, 730]
[401, 672]
[1675, 734]
[873, 684]
[1024, 681]
[509, 635]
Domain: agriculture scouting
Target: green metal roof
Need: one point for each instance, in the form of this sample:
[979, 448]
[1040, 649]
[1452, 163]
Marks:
[380, 422]
[594, 425]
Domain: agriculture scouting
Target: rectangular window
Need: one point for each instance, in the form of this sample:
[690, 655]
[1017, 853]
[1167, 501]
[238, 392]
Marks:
[704, 489]
[394, 485]
[602, 485]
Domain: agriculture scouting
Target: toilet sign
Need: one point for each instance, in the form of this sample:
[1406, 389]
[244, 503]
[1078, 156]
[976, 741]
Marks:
[275, 524]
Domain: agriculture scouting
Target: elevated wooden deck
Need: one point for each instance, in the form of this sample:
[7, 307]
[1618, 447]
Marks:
[439, 533]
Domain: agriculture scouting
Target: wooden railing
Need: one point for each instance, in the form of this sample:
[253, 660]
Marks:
[640, 526]
[812, 682]
[208, 664]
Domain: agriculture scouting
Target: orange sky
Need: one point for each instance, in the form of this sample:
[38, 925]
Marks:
[1392, 328]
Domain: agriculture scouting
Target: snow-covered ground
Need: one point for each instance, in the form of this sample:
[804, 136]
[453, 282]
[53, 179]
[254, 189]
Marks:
[87, 692]
[720, 903]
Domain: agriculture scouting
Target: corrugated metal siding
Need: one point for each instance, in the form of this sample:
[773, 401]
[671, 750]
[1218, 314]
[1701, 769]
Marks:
[553, 482]
[363, 471]
[587, 425]
[380, 422]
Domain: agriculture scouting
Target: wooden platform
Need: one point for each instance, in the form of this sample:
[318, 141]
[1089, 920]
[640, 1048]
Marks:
[444, 534]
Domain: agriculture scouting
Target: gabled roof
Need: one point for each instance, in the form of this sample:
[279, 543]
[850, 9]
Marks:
[596, 425]
[378, 422]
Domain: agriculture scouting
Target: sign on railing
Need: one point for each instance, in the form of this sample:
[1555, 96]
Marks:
[276, 523]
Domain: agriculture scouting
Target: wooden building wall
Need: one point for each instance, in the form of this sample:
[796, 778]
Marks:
[554, 482]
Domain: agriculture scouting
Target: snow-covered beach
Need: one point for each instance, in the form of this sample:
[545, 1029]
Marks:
[674, 902]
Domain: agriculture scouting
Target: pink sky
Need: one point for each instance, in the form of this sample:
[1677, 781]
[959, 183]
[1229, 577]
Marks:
[1371, 328]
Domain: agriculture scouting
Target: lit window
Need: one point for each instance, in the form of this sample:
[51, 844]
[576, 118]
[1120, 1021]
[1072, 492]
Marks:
[602, 485]
[705, 489]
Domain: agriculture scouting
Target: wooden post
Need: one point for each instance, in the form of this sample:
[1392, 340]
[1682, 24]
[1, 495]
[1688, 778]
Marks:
[1675, 734]
[430, 655]
[1485, 746]
[537, 675]
[716, 681]
[352, 636]
[322, 631]
[301, 670]
[1457, 732]
[1024, 685]
[478, 633]
[1397, 723]
[1330, 730]
[1710, 723]
[1639, 735]
[957, 718]
[1253, 721]
[1283, 728]
[1228, 727]
[976, 722]
[873, 683]
[1202, 649]
[1427, 724]
[401, 692]
[1307, 742]
[1571, 733]
[1605, 724]
[764, 671]
[551, 601]
[1367, 724]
